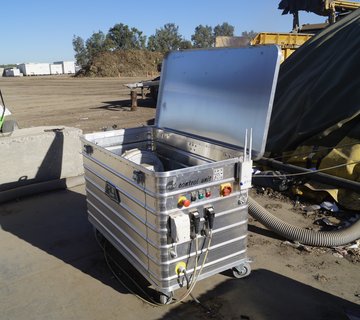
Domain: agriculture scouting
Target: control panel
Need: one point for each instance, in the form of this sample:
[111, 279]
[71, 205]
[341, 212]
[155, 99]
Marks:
[186, 199]
[196, 213]
[199, 217]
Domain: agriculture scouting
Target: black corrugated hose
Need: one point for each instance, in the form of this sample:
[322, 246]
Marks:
[309, 237]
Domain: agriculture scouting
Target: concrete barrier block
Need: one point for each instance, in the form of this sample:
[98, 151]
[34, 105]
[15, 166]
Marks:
[39, 154]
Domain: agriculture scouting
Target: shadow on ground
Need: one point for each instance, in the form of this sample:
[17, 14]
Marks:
[264, 232]
[125, 105]
[56, 222]
[264, 295]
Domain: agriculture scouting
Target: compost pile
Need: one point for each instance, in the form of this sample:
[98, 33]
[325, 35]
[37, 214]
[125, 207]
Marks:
[120, 63]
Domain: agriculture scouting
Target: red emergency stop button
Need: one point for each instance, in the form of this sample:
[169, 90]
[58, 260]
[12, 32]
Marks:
[184, 202]
[225, 189]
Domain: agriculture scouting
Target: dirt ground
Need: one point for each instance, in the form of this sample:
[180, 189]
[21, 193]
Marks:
[90, 104]
[52, 268]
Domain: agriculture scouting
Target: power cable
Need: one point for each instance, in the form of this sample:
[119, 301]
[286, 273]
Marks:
[150, 300]
[308, 172]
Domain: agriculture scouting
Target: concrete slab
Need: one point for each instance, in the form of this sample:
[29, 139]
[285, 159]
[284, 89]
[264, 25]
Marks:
[51, 267]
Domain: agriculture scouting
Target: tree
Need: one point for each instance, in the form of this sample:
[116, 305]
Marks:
[165, 39]
[185, 44]
[249, 34]
[203, 37]
[81, 54]
[96, 43]
[224, 29]
[120, 36]
[151, 44]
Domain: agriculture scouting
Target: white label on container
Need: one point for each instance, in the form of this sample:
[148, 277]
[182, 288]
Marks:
[218, 174]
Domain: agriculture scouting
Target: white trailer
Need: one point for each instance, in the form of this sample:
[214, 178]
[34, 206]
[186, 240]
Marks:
[67, 66]
[13, 72]
[34, 69]
[56, 69]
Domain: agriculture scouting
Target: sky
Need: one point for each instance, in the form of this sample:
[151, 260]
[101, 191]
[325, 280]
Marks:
[42, 30]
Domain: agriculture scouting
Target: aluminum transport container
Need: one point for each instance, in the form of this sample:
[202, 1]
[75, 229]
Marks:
[173, 197]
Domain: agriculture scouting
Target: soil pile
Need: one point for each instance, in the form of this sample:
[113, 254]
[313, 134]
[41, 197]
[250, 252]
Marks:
[129, 63]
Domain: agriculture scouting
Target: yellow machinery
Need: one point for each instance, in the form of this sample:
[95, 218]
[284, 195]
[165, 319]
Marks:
[332, 7]
[288, 42]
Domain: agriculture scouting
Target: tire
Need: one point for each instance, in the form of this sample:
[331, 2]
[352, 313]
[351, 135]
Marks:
[165, 298]
[241, 271]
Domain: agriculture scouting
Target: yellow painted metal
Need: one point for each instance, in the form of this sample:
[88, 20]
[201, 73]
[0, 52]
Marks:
[180, 266]
[349, 5]
[288, 42]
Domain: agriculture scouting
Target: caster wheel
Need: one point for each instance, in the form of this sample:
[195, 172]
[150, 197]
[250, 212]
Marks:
[165, 298]
[241, 271]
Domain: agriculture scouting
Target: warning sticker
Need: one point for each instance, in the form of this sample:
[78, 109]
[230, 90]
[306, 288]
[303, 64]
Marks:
[218, 174]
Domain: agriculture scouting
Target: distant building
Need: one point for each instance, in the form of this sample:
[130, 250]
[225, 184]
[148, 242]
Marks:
[56, 69]
[224, 41]
[34, 69]
[12, 72]
[41, 69]
[67, 66]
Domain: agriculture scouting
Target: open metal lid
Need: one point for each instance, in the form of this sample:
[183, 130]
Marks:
[218, 93]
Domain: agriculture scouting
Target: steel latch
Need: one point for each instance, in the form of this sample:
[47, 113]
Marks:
[88, 149]
[139, 177]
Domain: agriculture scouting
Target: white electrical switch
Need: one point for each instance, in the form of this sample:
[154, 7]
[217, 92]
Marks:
[180, 227]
